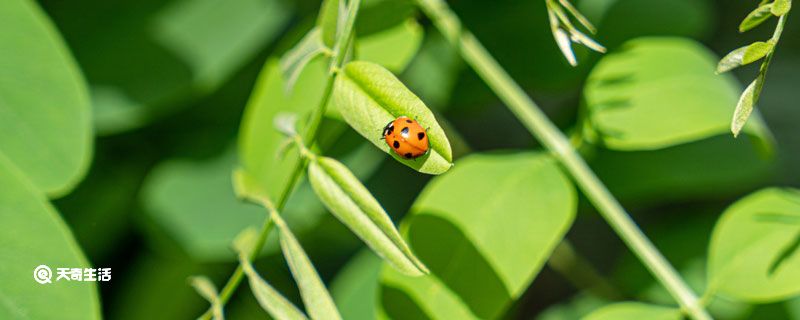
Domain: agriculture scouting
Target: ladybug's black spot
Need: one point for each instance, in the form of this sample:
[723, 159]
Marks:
[420, 135]
[396, 144]
[408, 155]
[408, 120]
[404, 132]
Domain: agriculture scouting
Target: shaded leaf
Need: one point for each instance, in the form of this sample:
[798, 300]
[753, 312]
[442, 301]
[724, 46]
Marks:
[744, 55]
[483, 242]
[781, 7]
[316, 298]
[749, 258]
[44, 104]
[744, 108]
[577, 14]
[206, 288]
[296, 59]
[355, 288]
[352, 203]
[634, 310]
[370, 96]
[636, 101]
[756, 17]
[35, 235]
[271, 300]
[392, 48]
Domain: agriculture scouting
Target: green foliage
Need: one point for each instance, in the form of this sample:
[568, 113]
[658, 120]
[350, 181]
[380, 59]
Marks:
[565, 32]
[206, 288]
[636, 101]
[352, 203]
[634, 310]
[355, 288]
[370, 97]
[44, 105]
[744, 56]
[753, 253]
[295, 60]
[316, 298]
[484, 230]
[269, 299]
[781, 7]
[328, 20]
[34, 235]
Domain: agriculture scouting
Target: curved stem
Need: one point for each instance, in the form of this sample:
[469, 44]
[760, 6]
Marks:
[337, 60]
[549, 135]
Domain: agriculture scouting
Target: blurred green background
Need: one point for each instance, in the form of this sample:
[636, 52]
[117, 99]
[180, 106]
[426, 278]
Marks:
[170, 80]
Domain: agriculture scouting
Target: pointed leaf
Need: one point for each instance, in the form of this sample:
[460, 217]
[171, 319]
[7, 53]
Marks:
[781, 7]
[581, 38]
[485, 230]
[743, 108]
[744, 55]
[754, 258]
[634, 310]
[45, 116]
[577, 14]
[296, 59]
[756, 17]
[271, 300]
[316, 298]
[369, 97]
[207, 290]
[351, 203]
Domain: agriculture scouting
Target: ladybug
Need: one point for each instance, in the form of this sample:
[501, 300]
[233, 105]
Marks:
[406, 137]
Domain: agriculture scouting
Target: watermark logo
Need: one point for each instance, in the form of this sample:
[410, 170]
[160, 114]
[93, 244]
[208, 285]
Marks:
[42, 274]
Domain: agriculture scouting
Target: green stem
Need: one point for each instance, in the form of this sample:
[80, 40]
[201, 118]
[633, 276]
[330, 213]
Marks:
[549, 135]
[762, 71]
[340, 51]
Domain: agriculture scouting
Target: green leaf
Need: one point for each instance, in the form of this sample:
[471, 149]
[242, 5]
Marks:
[744, 108]
[316, 298]
[259, 141]
[44, 104]
[577, 14]
[206, 288]
[370, 97]
[351, 203]
[484, 230]
[634, 310]
[330, 13]
[636, 101]
[756, 17]
[178, 51]
[33, 235]
[754, 259]
[270, 299]
[296, 59]
[781, 7]
[744, 55]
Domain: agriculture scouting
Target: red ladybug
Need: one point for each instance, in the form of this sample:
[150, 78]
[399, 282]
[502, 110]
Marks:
[406, 137]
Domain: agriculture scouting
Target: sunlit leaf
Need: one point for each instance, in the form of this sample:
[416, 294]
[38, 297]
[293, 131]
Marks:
[661, 92]
[33, 235]
[483, 242]
[352, 203]
[756, 17]
[370, 97]
[270, 299]
[744, 55]
[744, 108]
[753, 259]
[44, 105]
[781, 7]
[634, 310]
[316, 298]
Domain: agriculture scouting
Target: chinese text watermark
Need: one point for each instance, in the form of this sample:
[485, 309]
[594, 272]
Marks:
[43, 274]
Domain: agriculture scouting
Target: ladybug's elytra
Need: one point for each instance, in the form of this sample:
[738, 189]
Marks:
[406, 137]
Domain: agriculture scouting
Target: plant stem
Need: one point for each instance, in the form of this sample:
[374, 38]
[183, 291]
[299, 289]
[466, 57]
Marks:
[549, 135]
[343, 42]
